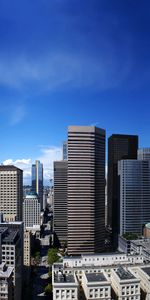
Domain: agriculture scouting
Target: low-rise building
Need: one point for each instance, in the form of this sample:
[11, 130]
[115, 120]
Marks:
[96, 286]
[144, 276]
[125, 285]
[103, 259]
[65, 286]
[97, 273]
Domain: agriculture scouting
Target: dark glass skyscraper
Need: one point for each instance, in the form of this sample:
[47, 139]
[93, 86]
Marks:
[120, 146]
[37, 180]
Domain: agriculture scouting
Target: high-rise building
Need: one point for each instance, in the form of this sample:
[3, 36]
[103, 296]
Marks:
[11, 245]
[120, 146]
[86, 189]
[31, 211]
[134, 182]
[144, 154]
[11, 193]
[65, 150]
[60, 201]
[37, 180]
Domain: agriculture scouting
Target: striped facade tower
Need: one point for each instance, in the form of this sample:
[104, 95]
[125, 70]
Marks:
[60, 202]
[86, 189]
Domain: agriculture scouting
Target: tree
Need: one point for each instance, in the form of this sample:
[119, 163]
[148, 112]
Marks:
[52, 256]
[130, 236]
[37, 257]
[48, 289]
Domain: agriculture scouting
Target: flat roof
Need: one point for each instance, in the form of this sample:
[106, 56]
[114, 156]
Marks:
[85, 129]
[94, 277]
[9, 168]
[8, 234]
[63, 278]
[124, 274]
[95, 255]
[146, 270]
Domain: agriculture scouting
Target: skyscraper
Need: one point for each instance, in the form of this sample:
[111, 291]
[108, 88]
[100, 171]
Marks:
[60, 201]
[31, 210]
[120, 146]
[11, 193]
[86, 189]
[65, 150]
[134, 176]
[37, 180]
[144, 154]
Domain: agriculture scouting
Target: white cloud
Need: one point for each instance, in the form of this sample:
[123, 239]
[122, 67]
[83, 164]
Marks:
[23, 164]
[48, 155]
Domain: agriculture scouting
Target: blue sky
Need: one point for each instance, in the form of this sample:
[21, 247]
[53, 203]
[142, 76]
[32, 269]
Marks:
[66, 62]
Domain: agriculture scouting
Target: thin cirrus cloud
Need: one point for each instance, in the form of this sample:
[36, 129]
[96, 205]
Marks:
[60, 69]
[47, 157]
[14, 112]
[17, 114]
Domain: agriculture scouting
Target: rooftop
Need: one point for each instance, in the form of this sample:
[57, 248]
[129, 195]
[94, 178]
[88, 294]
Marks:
[9, 168]
[146, 270]
[64, 278]
[124, 274]
[8, 234]
[31, 195]
[5, 271]
[147, 225]
[94, 277]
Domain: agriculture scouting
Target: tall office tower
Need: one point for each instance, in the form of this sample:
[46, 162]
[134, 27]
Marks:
[37, 180]
[11, 245]
[119, 147]
[11, 193]
[65, 150]
[144, 154]
[134, 176]
[60, 201]
[86, 189]
[31, 211]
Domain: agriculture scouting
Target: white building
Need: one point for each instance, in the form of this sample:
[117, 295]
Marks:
[65, 286]
[96, 286]
[103, 259]
[96, 273]
[125, 285]
[31, 211]
[144, 276]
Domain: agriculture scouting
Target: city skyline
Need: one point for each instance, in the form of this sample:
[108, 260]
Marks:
[65, 63]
